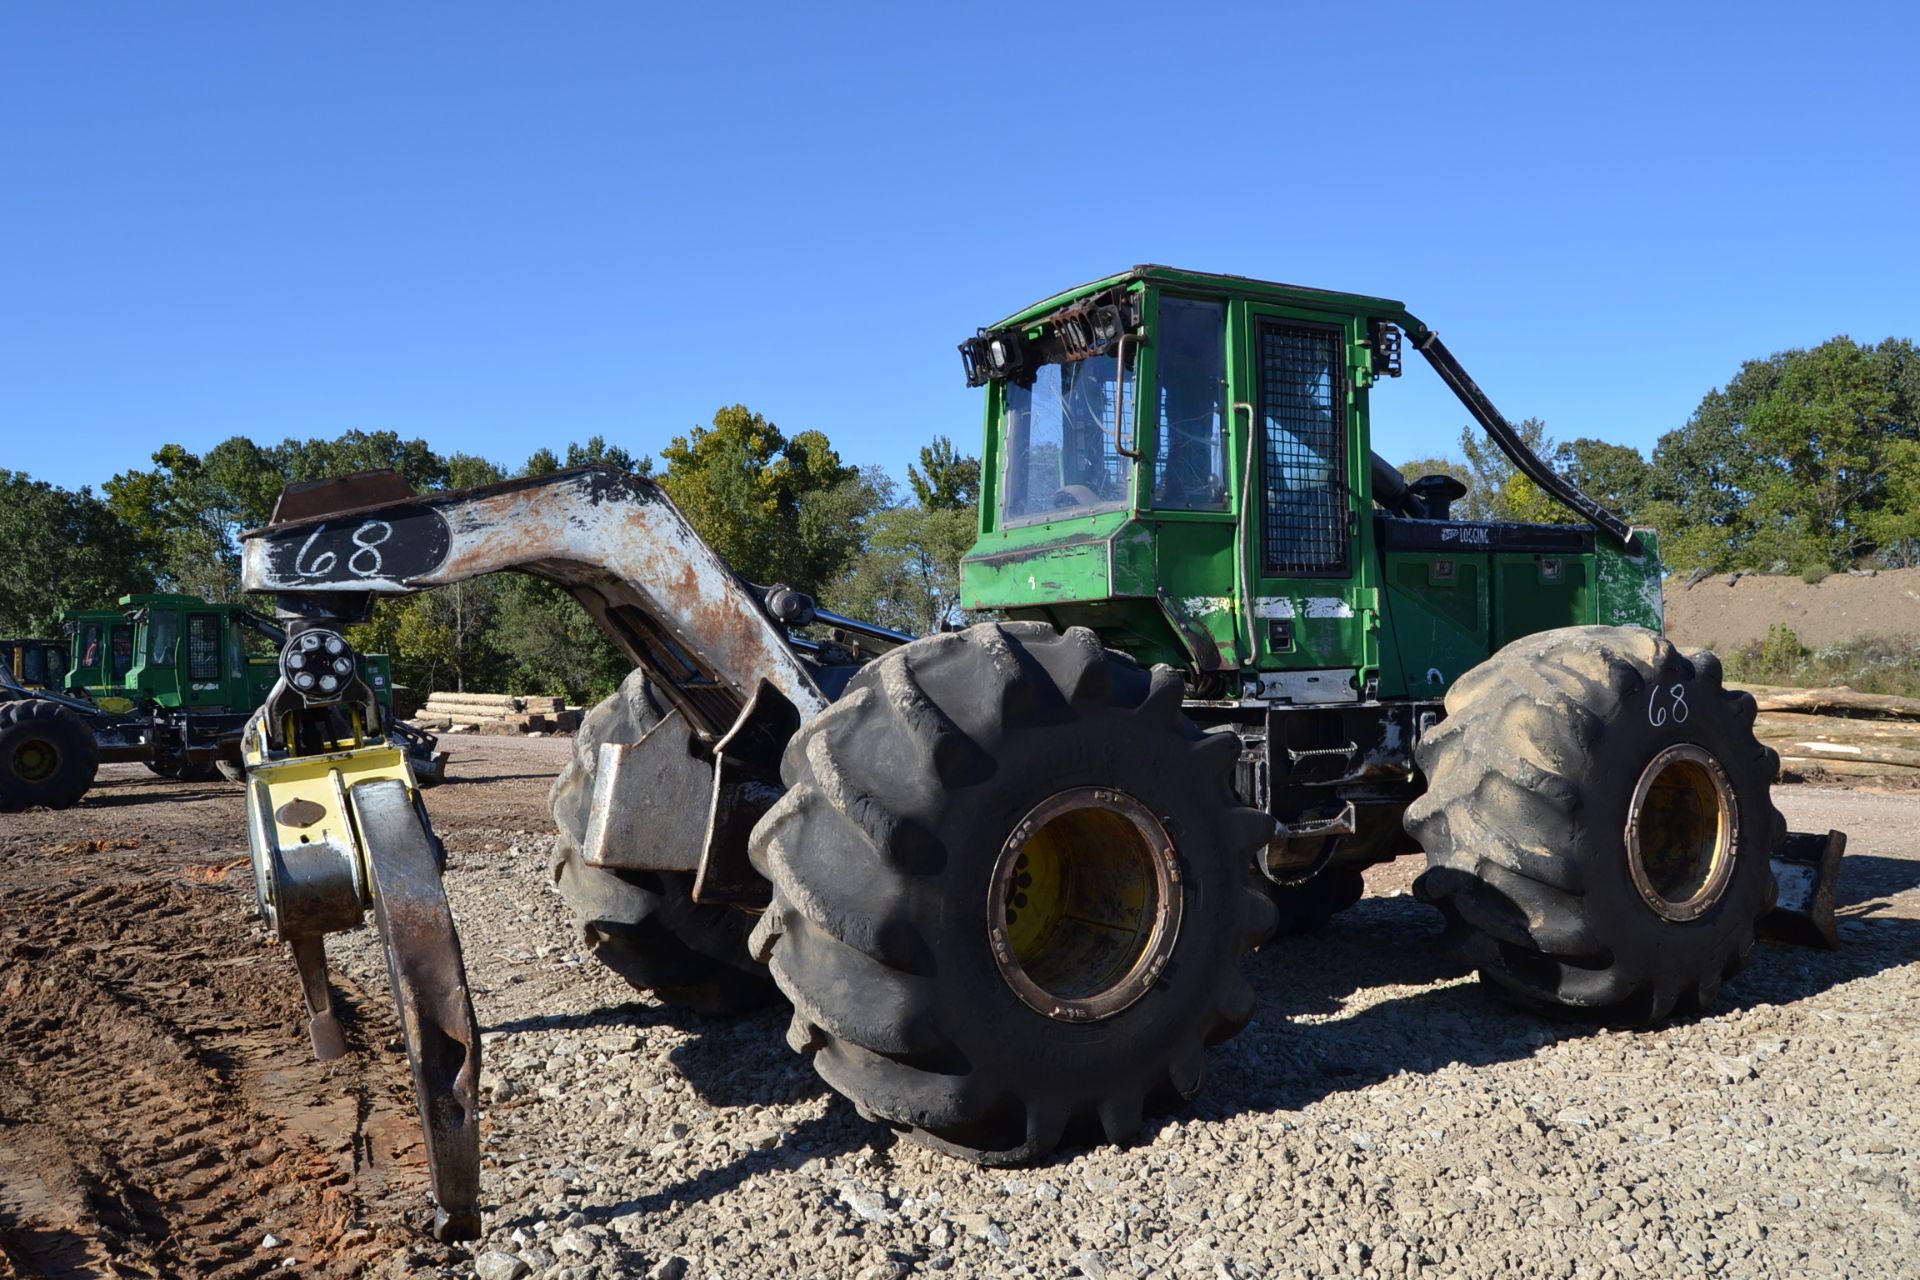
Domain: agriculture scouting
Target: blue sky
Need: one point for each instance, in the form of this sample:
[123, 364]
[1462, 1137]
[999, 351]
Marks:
[504, 226]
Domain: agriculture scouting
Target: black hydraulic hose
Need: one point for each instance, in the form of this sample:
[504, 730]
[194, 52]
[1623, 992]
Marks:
[1529, 463]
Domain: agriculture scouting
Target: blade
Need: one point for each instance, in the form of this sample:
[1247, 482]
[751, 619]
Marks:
[430, 990]
[1806, 869]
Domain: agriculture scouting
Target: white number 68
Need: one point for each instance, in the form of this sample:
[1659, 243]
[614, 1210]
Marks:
[1670, 702]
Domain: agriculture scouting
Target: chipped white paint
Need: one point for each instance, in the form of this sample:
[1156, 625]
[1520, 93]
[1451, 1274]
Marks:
[1306, 607]
[1201, 605]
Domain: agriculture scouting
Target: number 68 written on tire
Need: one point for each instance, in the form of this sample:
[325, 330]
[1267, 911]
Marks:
[1667, 702]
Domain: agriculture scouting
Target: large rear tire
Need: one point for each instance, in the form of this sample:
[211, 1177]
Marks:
[1011, 891]
[47, 756]
[644, 925]
[1597, 823]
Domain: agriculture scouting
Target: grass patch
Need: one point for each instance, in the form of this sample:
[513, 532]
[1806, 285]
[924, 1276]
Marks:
[1871, 664]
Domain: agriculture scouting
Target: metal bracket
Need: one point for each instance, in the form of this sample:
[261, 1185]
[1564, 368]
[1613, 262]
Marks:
[1806, 869]
[746, 783]
[642, 819]
[1341, 824]
[332, 833]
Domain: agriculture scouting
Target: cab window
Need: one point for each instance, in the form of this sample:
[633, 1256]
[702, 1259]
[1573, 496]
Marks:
[164, 639]
[1060, 454]
[1190, 465]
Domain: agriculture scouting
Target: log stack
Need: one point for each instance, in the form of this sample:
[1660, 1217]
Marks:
[497, 713]
[1840, 732]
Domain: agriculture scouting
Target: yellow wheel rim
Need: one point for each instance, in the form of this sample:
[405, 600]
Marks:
[36, 761]
[1084, 904]
[1682, 832]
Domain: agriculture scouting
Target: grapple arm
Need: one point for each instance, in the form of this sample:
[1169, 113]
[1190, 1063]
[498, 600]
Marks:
[614, 541]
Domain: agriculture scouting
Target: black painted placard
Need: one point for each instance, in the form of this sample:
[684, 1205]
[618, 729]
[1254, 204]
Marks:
[358, 553]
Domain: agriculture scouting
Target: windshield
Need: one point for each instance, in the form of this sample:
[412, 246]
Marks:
[1060, 455]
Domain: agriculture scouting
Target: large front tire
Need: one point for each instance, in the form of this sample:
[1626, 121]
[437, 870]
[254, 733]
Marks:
[1011, 891]
[644, 925]
[1598, 825]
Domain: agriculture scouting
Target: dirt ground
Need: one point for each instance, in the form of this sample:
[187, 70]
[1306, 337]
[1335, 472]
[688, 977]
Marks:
[158, 1103]
[160, 1114]
[1723, 611]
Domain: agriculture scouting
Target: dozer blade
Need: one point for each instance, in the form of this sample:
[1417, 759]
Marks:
[430, 989]
[1806, 869]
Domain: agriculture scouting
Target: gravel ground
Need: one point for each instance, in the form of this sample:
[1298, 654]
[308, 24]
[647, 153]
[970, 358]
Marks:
[1383, 1116]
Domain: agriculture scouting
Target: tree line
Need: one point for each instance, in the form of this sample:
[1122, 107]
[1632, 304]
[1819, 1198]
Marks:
[778, 507]
[1806, 461]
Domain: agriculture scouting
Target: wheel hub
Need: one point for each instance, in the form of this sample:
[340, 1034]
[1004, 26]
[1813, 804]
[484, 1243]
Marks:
[1682, 830]
[1084, 904]
[36, 761]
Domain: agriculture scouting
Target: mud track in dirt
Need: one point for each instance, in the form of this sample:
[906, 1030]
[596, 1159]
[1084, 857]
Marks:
[160, 1114]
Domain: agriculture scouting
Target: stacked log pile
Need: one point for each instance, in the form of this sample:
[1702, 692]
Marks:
[496, 713]
[1870, 737]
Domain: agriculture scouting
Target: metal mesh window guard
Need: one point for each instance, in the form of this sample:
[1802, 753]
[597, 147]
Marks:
[1305, 465]
[203, 647]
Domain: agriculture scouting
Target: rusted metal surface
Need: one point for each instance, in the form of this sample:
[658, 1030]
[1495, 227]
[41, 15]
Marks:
[323, 1027]
[646, 814]
[430, 991]
[613, 540]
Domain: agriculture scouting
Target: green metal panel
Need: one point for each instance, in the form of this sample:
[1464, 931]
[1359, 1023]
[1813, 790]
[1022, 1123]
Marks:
[1438, 607]
[1538, 593]
[1628, 586]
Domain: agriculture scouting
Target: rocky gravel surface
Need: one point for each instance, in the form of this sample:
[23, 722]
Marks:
[1383, 1116]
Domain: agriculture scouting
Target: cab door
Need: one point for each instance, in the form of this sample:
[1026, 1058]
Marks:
[1312, 615]
[205, 661]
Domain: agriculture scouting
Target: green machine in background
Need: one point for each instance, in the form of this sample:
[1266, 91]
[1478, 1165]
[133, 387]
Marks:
[163, 679]
[35, 664]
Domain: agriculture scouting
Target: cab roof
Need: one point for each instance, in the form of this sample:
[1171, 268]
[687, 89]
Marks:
[1209, 282]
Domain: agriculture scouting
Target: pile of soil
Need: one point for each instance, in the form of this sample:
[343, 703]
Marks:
[1735, 609]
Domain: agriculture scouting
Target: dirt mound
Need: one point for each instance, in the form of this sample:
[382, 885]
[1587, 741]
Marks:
[159, 1113]
[1728, 610]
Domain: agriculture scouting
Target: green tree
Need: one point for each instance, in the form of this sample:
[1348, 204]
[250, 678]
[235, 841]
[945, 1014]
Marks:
[1502, 492]
[945, 480]
[776, 509]
[1614, 475]
[907, 574]
[548, 644]
[1796, 463]
[596, 452]
[61, 549]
